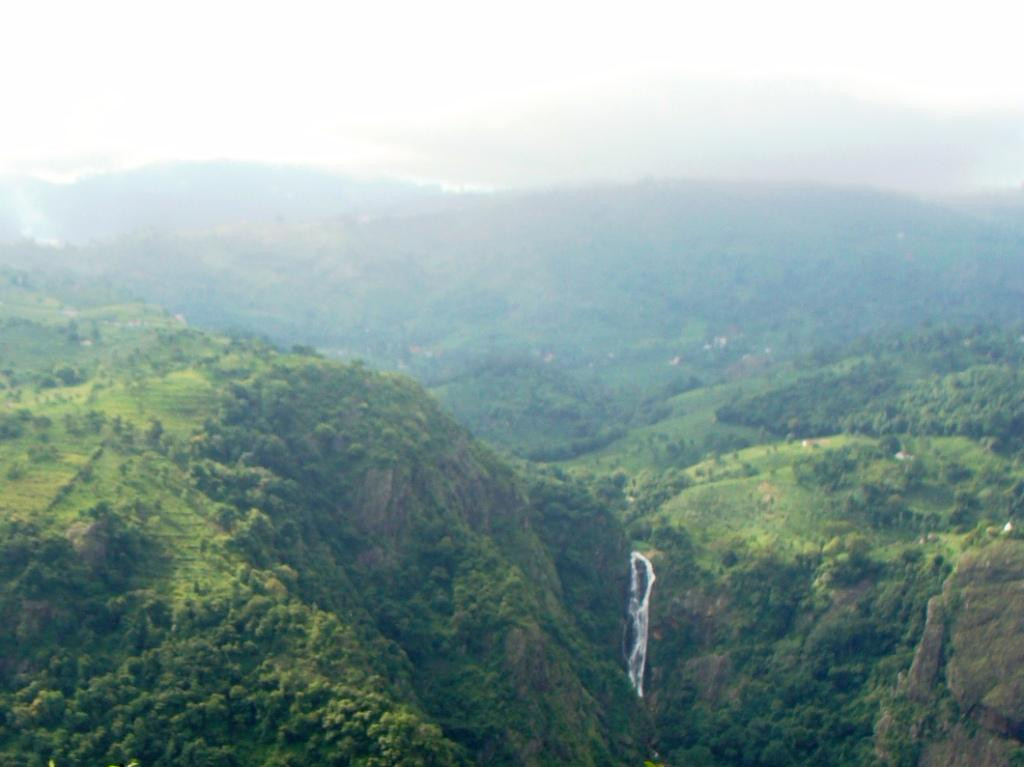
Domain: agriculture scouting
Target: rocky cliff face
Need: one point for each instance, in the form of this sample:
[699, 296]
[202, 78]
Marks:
[962, 700]
[923, 675]
[985, 672]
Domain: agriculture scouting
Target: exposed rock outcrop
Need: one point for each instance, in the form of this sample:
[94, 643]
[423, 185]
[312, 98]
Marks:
[90, 540]
[924, 672]
[712, 674]
[973, 641]
[985, 672]
[962, 749]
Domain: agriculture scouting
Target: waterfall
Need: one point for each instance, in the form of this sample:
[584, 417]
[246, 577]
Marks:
[641, 581]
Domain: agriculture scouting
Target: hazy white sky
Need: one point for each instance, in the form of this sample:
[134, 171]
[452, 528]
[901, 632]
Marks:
[913, 94]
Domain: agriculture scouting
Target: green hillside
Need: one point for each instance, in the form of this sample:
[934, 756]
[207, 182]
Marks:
[217, 554]
[801, 522]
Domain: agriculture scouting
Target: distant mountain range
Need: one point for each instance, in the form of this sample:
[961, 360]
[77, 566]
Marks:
[188, 196]
[196, 195]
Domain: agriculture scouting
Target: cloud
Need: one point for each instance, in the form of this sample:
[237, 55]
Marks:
[749, 130]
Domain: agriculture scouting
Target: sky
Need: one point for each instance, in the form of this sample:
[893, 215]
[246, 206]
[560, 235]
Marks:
[922, 96]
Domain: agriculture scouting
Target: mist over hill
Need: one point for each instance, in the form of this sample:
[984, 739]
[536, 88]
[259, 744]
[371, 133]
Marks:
[177, 196]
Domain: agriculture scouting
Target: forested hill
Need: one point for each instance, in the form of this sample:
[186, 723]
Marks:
[581, 302]
[215, 554]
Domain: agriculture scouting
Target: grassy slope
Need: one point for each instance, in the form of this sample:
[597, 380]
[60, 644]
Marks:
[64, 463]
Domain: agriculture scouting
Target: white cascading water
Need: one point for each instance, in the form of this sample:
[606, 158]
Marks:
[641, 581]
